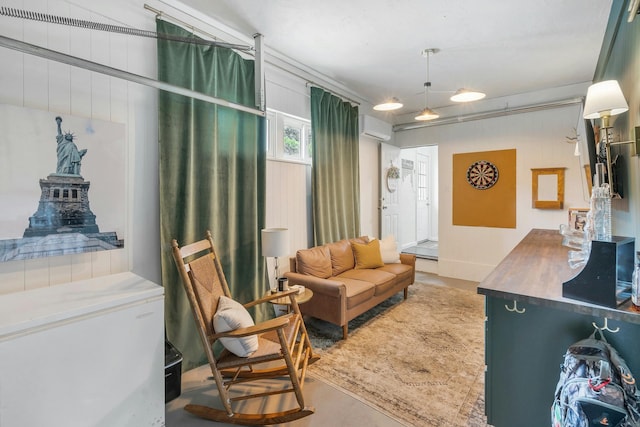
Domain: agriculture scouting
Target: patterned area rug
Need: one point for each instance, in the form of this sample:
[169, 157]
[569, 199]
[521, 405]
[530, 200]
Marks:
[420, 360]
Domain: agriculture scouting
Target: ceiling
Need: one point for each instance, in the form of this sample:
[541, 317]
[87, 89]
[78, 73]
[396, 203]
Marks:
[373, 48]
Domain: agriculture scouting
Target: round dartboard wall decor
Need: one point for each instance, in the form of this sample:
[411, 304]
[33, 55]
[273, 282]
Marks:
[482, 175]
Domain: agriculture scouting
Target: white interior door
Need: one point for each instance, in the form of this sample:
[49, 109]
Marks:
[389, 192]
[423, 198]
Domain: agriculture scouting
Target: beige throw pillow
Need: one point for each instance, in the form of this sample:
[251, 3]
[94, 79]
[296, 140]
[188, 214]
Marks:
[389, 250]
[230, 316]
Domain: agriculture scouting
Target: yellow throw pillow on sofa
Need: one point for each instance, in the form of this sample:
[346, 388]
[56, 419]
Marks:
[367, 255]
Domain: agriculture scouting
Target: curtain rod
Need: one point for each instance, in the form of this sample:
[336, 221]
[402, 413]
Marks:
[81, 23]
[272, 63]
[243, 48]
[310, 83]
[114, 72]
[488, 114]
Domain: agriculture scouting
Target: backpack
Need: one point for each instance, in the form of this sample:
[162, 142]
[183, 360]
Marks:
[596, 388]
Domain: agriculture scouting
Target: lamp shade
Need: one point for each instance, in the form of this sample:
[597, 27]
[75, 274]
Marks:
[604, 99]
[466, 95]
[389, 105]
[275, 242]
[427, 114]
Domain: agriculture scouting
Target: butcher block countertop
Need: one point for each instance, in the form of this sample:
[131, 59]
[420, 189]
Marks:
[534, 271]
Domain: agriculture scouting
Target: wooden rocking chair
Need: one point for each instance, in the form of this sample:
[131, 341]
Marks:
[283, 349]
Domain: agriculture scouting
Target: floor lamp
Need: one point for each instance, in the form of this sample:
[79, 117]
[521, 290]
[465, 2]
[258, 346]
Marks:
[275, 243]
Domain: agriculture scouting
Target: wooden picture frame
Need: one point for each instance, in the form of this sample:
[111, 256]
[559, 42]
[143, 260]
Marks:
[546, 195]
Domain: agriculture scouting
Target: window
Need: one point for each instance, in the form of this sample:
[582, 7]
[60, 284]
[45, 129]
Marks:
[422, 181]
[288, 137]
[292, 139]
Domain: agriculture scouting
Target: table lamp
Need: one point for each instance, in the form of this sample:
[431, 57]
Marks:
[275, 243]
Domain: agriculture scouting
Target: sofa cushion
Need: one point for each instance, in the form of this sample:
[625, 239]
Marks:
[401, 271]
[367, 255]
[389, 250]
[341, 256]
[381, 280]
[314, 262]
[357, 291]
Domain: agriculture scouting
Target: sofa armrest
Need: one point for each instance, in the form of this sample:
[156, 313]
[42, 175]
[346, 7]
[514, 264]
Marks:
[328, 287]
[409, 259]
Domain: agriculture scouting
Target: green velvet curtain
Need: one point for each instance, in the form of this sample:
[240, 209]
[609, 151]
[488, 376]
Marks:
[212, 176]
[335, 178]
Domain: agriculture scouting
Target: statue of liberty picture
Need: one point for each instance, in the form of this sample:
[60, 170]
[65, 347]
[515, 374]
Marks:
[63, 191]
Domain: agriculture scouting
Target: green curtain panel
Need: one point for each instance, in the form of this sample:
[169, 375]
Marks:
[212, 176]
[335, 182]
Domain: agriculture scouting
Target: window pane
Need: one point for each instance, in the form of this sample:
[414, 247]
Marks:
[292, 141]
[308, 144]
[422, 181]
[268, 136]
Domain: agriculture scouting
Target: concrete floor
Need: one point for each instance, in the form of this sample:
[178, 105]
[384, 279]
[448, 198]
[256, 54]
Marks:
[333, 406]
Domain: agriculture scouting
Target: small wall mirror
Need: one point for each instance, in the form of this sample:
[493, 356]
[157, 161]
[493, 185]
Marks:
[547, 188]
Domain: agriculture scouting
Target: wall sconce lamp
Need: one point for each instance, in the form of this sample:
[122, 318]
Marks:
[275, 243]
[605, 99]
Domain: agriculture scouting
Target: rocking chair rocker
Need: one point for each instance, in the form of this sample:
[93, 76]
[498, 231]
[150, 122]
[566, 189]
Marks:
[283, 349]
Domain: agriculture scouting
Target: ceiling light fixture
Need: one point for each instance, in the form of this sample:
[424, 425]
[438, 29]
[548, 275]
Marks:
[467, 95]
[389, 105]
[427, 113]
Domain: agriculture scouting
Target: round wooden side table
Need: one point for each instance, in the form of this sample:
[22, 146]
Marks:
[286, 301]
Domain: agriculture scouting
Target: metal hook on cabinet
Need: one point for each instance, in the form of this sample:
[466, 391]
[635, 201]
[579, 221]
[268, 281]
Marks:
[515, 308]
[605, 327]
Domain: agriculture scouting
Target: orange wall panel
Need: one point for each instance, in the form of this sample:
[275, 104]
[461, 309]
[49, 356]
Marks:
[491, 207]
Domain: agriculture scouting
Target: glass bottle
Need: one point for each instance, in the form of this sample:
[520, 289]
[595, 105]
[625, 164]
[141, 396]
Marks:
[635, 283]
[601, 208]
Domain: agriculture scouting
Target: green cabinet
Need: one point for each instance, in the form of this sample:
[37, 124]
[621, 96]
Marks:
[524, 350]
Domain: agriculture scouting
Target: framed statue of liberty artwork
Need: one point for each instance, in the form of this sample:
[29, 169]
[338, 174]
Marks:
[62, 184]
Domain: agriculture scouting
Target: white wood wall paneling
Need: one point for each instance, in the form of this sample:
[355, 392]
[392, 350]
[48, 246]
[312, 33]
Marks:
[36, 93]
[80, 46]
[143, 126]
[12, 277]
[12, 78]
[59, 270]
[286, 204]
[100, 83]
[36, 273]
[59, 78]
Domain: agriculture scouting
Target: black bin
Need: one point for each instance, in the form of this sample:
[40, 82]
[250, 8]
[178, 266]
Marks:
[172, 372]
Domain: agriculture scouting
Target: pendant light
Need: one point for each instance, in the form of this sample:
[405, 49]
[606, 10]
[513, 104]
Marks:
[467, 95]
[427, 113]
[389, 105]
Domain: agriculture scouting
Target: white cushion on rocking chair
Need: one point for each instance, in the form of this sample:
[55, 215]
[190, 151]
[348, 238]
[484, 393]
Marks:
[230, 316]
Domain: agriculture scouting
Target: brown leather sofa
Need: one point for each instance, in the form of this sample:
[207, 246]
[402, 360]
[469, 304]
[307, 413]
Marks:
[343, 286]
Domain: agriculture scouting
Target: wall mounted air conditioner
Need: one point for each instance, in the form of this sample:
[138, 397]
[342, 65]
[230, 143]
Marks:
[374, 128]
